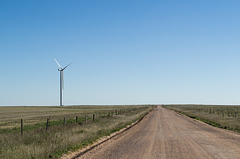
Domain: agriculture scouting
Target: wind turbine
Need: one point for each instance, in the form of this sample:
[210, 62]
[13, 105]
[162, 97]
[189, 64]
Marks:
[61, 80]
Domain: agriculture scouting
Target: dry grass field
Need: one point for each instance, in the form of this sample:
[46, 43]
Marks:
[36, 142]
[10, 116]
[224, 116]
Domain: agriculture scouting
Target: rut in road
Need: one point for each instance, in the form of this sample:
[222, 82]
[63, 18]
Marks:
[168, 135]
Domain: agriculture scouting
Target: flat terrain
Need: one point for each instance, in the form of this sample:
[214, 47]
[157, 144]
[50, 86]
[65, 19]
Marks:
[165, 134]
[10, 116]
[82, 126]
[223, 116]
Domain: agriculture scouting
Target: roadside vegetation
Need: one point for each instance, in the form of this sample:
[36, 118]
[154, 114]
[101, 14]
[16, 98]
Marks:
[82, 126]
[223, 116]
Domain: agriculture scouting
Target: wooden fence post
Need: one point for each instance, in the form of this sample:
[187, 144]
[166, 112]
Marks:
[21, 127]
[93, 117]
[76, 119]
[47, 124]
[85, 119]
[64, 121]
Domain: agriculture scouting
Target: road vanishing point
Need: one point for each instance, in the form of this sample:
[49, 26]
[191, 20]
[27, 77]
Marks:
[165, 134]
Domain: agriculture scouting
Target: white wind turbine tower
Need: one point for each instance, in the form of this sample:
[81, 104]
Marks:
[61, 80]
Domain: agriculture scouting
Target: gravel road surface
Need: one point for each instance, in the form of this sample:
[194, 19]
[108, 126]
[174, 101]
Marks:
[164, 134]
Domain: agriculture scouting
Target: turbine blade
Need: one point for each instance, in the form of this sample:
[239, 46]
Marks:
[66, 66]
[57, 63]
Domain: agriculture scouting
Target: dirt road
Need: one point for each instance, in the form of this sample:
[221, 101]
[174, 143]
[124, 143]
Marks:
[168, 135]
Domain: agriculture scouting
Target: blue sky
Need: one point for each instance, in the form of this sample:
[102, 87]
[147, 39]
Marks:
[123, 52]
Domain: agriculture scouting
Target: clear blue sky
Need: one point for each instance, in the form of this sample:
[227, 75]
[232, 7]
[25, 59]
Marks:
[123, 52]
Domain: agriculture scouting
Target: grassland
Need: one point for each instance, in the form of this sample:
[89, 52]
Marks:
[36, 142]
[223, 116]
